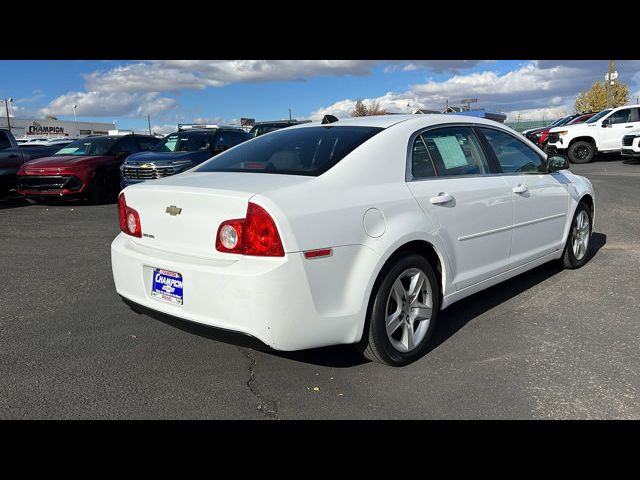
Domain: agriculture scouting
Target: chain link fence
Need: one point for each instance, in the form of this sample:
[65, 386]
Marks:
[522, 126]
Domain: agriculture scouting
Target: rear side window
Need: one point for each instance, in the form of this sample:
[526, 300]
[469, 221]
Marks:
[299, 151]
[454, 151]
[513, 155]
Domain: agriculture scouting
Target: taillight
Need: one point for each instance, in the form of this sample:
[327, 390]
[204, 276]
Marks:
[229, 238]
[261, 235]
[129, 218]
[256, 235]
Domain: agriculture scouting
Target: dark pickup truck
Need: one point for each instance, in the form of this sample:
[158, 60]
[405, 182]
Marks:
[13, 155]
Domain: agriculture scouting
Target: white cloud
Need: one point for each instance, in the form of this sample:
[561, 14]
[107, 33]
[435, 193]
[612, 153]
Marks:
[535, 88]
[108, 104]
[174, 75]
[35, 96]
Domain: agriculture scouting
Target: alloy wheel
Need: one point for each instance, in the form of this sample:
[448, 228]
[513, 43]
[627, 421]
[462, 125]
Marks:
[408, 310]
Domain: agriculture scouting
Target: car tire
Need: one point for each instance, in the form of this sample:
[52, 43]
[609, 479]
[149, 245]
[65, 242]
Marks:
[393, 296]
[581, 152]
[101, 189]
[576, 249]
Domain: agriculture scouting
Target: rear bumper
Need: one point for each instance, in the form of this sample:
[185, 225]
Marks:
[288, 303]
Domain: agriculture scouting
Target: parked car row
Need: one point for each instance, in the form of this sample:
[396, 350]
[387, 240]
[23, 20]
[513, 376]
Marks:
[95, 168]
[14, 154]
[614, 130]
[540, 136]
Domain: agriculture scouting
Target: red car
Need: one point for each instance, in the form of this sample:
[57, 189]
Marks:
[88, 168]
[541, 135]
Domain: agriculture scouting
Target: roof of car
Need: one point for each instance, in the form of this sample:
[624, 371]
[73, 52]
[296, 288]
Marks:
[386, 121]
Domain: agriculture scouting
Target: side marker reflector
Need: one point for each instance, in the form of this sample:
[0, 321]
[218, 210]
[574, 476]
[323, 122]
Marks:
[325, 252]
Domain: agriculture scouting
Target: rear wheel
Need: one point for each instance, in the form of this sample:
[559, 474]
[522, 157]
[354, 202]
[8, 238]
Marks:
[581, 152]
[577, 246]
[101, 188]
[404, 312]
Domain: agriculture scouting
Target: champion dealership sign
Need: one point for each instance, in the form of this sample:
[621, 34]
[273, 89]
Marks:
[38, 129]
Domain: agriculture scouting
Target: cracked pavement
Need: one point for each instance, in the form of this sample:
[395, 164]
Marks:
[547, 344]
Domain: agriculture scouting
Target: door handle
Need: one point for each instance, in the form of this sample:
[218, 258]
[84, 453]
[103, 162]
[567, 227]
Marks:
[520, 189]
[629, 126]
[441, 198]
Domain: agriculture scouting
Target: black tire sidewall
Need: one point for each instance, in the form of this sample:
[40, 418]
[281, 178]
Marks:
[576, 160]
[94, 196]
[378, 312]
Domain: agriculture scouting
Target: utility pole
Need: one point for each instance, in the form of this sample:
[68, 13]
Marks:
[149, 122]
[610, 82]
[6, 106]
[289, 114]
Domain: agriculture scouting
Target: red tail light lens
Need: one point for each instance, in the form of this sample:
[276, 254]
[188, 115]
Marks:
[229, 238]
[261, 234]
[129, 218]
[255, 235]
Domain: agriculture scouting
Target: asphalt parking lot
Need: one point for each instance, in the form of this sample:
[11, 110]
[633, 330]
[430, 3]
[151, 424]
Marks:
[547, 344]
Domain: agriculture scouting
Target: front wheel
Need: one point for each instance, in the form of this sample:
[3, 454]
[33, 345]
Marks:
[404, 312]
[581, 152]
[577, 246]
[101, 189]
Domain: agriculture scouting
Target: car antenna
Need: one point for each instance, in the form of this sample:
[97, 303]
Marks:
[328, 119]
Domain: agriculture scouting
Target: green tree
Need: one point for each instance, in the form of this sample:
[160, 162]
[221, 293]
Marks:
[362, 110]
[595, 99]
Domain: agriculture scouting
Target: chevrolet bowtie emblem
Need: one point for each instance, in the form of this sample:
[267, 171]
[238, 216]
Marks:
[173, 210]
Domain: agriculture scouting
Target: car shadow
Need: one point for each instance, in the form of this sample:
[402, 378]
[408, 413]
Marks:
[12, 201]
[460, 313]
[631, 161]
[450, 322]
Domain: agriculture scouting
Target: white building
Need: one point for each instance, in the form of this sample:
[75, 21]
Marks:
[31, 128]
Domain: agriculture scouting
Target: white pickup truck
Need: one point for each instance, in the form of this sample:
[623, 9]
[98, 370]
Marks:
[602, 133]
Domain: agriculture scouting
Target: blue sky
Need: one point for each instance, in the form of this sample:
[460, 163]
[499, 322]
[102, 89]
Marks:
[225, 90]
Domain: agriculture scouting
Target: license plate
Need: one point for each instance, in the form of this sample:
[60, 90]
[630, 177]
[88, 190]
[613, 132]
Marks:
[167, 286]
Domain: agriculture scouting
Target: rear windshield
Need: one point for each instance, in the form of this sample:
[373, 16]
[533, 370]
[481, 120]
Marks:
[298, 151]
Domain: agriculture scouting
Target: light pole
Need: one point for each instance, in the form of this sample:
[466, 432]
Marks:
[75, 119]
[149, 122]
[7, 101]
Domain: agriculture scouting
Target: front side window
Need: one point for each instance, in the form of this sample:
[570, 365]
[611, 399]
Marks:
[513, 155]
[454, 151]
[300, 151]
[621, 116]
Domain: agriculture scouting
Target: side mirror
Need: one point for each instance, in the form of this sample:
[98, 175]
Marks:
[606, 123]
[557, 162]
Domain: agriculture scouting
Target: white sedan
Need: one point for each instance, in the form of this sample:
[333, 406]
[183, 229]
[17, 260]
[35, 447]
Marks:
[356, 231]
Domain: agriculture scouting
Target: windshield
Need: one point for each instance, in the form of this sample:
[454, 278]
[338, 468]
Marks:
[598, 116]
[297, 151]
[557, 122]
[89, 146]
[186, 142]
